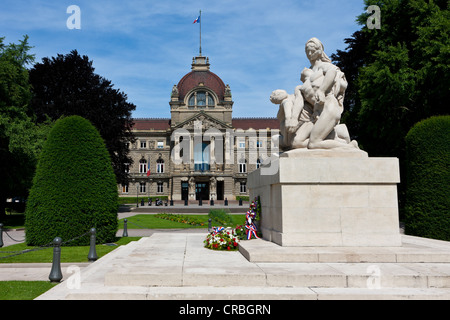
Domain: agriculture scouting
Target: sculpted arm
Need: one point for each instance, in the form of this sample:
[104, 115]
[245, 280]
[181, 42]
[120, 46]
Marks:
[327, 84]
[298, 103]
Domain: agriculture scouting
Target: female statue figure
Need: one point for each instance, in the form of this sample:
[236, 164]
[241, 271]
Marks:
[329, 85]
[310, 117]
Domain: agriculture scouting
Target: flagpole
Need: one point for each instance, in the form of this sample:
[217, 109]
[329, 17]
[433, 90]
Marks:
[200, 33]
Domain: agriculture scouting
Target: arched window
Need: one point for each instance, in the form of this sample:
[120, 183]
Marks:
[258, 163]
[201, 99]
[142, 166]
[160, 166]
[242, 165]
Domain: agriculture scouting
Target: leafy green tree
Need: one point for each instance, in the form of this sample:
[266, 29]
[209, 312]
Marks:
[20, 139]
[67, 85]
[398, 74]
[74, 188]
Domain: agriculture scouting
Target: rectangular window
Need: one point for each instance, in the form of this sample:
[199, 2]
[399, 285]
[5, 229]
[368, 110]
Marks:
[160, 144]
[160, 187]
[142, 187]
[127, 167]
[243, 187]
[124, 188]
[143, 144]
[259, 144]
[242, 144]
[160, 167]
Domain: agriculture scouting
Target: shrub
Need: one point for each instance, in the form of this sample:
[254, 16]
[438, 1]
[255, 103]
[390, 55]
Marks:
[220, 216]
[427, 200]
[74, 188]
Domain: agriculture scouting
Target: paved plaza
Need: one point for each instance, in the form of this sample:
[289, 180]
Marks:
[177, 266]
[173, 264]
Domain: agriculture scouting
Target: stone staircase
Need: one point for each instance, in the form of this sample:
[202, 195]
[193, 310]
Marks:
[176, 266]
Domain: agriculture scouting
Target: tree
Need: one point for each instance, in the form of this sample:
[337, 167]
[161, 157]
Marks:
[67, 85]
[398, 74]
[74, 188]
[20, 139]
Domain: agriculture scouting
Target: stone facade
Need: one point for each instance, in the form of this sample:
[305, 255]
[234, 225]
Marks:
[201, 151]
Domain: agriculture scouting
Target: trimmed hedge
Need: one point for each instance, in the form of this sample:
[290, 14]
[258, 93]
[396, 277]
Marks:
[74, 188]
[427, 203]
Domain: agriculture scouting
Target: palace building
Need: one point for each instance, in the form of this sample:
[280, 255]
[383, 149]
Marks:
[201, 152]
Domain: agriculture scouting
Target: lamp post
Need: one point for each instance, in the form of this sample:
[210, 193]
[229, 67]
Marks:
[137, 195]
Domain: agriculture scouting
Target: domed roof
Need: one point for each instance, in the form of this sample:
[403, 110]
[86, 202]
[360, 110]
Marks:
[200, 75]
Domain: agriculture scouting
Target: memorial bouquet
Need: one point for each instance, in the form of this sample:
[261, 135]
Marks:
[222, 239]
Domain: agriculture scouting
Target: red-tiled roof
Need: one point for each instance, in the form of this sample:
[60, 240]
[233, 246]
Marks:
[149, 124]
[238, 123]
[194, 78]
[255, 123]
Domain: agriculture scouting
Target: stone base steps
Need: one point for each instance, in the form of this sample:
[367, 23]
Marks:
[176, 266]
[413, 250]
[317, 275]
[258, 293]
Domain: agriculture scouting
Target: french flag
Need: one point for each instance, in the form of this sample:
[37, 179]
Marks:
[196, 20]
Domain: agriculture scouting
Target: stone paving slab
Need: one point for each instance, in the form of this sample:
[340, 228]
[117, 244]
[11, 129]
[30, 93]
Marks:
[177, 266]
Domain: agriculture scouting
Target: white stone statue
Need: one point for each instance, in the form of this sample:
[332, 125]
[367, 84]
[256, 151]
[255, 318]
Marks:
[310, 117]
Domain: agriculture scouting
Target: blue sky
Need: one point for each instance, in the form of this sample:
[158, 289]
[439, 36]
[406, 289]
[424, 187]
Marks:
[145, 46]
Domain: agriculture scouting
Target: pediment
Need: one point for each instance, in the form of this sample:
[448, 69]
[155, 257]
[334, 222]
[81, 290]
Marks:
[202, 121]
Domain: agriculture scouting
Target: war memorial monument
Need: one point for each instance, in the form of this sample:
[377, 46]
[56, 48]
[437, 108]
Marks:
[323, 190]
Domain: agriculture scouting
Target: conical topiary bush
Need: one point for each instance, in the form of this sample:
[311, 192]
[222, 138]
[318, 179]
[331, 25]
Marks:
[74, 188]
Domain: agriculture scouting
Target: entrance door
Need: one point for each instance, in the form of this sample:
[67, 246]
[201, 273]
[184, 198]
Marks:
[220, 189]
[184, 191]
[202, 190]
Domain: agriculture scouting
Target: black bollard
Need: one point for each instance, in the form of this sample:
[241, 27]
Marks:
[240, 202]
[55, 273]
[1, 235]
[211, 203]
[92, 256]
[185, 202]
[125, 228]
[209, 225]
[226, 202]
[171, 202]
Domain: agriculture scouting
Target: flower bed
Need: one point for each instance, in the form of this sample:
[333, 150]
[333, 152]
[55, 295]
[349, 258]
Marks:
[180, 218]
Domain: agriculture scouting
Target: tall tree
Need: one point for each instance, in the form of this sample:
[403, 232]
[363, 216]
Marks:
[20, 139]
[66, 85]
[399, 74]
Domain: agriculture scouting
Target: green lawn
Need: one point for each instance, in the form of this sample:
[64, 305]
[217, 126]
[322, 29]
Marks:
[23, 290]
[28, 290]
[68, 254]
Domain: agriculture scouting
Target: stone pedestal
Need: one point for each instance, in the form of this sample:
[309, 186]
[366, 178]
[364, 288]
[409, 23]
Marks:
[328, 198]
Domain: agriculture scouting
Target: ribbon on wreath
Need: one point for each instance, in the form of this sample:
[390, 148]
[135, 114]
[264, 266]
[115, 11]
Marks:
[251, 231]
[250, 227]
[217, 230]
